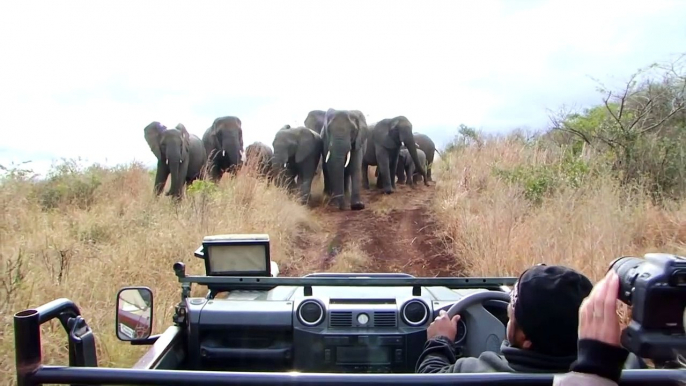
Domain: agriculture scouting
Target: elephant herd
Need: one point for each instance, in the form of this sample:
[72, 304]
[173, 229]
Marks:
[338, 143]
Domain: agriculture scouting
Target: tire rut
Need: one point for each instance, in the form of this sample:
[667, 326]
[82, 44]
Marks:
[397, 233]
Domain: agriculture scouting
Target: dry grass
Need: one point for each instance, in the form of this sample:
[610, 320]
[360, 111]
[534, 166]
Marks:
[351, 259]
[125, 237]
[496, 231]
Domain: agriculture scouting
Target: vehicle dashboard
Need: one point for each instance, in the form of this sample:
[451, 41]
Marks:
[356, 329]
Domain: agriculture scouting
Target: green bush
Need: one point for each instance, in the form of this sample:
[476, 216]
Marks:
[540, 180]
[202, 188]
[638, 131]
[69, 184]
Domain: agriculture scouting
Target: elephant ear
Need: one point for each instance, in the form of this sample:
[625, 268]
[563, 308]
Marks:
[362, 129]
[392, 139]
[308, 142]
[308, 120]
[153, 135]
[240, 140]
[184, 133]
[328, 117]
[184, 136]
[315, 120]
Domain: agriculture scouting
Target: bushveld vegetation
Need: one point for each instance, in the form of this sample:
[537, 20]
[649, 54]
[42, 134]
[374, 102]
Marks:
[600, 183]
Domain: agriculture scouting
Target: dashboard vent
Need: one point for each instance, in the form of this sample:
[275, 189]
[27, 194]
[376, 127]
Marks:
[415, 312]
[384, 319]
[310, 313]
[341, 319]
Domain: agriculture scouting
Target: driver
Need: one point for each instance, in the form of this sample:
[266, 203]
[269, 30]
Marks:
[542, 329]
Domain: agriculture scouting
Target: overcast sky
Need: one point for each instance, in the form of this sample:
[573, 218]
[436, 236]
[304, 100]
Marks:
[82, 79]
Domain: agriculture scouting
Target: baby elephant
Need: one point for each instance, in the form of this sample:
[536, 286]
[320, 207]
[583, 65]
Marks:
[406, 166]
[260, 156]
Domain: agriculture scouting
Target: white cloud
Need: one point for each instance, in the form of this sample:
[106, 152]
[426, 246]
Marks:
[84, 78]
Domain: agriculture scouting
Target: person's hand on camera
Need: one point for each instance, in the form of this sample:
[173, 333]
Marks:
[598, 318]
[601, 356]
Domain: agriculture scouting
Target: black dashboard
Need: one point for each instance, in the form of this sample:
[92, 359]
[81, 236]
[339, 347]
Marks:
[330, 329]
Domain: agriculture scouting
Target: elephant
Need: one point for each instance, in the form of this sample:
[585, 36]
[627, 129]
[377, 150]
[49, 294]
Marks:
[344, 137]
[261, 155]
[383, 148]
[315, 120]
[429, 148]
[406, 166]
[297, 152]
[178, 153]
[224, 146]
[376, 170]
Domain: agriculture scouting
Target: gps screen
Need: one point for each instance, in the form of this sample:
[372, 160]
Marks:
[238, 258]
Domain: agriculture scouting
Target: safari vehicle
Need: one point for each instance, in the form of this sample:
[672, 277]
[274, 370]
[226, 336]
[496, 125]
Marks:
[253, 328]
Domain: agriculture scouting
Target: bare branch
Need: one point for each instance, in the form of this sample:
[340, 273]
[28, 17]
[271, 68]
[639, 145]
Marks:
[649, 128]
[609, 109]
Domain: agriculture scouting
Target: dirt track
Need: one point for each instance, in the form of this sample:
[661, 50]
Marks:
[396, 232]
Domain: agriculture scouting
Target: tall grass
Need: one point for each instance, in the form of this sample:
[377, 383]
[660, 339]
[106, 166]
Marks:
[83, 234]
[507, 203]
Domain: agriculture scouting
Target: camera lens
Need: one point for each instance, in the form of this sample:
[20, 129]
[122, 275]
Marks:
[625, 267]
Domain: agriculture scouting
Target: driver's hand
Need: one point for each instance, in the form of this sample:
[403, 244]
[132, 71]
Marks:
[444, 326]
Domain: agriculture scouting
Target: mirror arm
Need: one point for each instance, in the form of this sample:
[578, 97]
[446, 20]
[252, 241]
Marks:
[147, 341]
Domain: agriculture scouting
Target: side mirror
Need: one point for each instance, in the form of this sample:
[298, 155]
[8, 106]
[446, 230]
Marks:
[134, 314]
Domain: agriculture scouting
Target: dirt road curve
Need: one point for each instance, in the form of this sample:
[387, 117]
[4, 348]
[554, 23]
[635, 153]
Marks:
[395, 233]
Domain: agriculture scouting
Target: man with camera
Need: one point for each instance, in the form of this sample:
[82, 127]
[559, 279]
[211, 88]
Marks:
[541, 332]
[655, 287]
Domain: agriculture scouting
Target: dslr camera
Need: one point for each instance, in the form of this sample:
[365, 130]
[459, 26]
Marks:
[655, 288]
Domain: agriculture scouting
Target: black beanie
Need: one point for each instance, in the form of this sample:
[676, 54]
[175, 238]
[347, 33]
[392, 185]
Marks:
[546, 304]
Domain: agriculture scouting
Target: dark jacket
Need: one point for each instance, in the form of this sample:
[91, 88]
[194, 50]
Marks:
[439, 357]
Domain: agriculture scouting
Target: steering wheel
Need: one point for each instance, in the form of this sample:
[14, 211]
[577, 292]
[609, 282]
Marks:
[485, 331]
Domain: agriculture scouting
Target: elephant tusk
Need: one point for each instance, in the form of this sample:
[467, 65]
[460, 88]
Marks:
[223, 153]
[328, 153]
[347, 159]
[285, 164]
[180, 161]
[167, 161]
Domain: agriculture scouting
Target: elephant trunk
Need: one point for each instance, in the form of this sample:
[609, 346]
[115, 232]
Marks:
[231, 152]
[176, 177]
[412, 149]
[337, 159]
